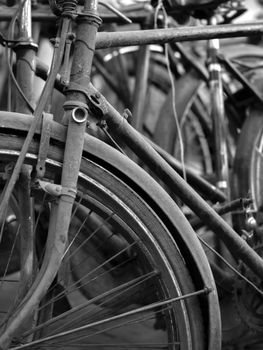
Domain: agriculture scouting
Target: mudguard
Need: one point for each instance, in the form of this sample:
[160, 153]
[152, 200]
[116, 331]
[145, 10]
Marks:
[164, 206]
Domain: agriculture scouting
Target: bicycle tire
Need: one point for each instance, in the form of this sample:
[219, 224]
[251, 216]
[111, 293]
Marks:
[192, 127]
[247, 181]
[159, 249]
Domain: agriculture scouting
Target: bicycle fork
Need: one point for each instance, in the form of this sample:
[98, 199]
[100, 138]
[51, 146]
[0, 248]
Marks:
[76, 110]
[76, 114]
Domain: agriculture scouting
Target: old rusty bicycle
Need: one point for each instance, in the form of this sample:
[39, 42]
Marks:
[89, 231]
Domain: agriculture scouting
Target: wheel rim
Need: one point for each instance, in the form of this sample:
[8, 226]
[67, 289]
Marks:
[171, 333]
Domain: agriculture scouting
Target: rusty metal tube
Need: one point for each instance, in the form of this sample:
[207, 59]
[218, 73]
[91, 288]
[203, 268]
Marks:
[236, 245]
[162, 36]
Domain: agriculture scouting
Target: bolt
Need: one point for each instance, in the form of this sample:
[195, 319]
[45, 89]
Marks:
[251, 223]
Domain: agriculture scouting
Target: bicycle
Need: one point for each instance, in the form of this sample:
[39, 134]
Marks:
[143, 211]
[133, 264]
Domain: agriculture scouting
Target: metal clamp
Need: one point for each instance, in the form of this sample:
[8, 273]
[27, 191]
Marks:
[96, 102]
[56, 190]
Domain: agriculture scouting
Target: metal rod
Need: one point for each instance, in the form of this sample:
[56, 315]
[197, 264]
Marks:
[238, 247]
[124, 315]
[27, 239]
[199, 183]
[91, 5]
[141, 86]
[162, 36]
[218, 116]
[43, 14]
[25, 19]
[38, 114]
[237, 204]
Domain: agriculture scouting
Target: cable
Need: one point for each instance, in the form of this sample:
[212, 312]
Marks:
[159, 8]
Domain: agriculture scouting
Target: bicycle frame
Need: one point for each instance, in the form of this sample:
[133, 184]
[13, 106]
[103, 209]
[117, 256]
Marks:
[82, 96]
[116, 123]
[134, 140]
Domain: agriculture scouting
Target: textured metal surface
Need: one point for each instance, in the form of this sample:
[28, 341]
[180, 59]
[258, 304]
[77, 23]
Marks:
[188, 242]
[218, 116]
[161, 36]
[136, 142]
[44, 144]
[43, 14]
[141, 86]
[25, 19]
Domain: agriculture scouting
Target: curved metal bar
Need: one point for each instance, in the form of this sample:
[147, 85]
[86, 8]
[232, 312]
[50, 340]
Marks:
[238, 247]
[170, 213]
[56, 245]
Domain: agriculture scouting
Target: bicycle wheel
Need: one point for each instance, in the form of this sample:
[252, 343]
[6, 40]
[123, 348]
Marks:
[195, 121]
[190, 105]
[247, 179]
[114, 75]
[157, 121]
[120, 270]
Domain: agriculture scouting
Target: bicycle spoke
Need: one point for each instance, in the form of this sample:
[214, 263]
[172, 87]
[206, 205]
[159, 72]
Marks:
[121, 320]
[90, 236]
[84, 310]
[2, 279]
[70, 288]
